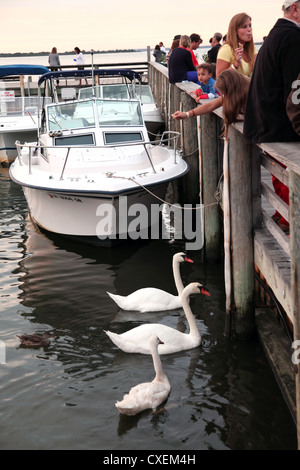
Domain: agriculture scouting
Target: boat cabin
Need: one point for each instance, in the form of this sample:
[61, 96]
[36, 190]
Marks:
[79, 122]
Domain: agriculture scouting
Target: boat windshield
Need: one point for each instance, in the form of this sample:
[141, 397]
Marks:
[146, 94]
[119, 113]
[72, 115]
[80, 114]
[119, 91]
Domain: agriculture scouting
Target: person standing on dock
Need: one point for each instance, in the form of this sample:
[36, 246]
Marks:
[180, 62]
[213, 52]
[54, 61]
[162, 47]
[195, 43]
[158, 54]
[79, 61]
[239, 52]
[174, 45]
[277, 67]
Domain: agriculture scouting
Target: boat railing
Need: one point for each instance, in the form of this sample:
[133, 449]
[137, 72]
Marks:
[34, 150]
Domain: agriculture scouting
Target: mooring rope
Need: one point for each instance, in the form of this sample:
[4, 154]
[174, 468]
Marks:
[110, 175]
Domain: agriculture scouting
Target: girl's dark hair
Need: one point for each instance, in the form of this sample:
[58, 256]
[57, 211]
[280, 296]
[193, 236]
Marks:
[77, 50]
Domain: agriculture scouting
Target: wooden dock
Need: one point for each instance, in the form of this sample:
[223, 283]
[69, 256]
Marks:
[264, 261]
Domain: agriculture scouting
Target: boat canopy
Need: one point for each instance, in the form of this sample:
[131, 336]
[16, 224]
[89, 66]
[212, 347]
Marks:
[19, 69]
[130, 74]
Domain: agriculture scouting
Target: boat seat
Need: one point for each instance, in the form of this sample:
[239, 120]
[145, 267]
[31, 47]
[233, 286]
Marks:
[68, 94]
[30, 109]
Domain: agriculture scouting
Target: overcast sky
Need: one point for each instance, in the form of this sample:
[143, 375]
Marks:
[38, 25]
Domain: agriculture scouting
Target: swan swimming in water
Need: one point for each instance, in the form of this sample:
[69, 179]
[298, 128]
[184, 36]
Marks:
[148, 394]
[151, 299]
[136, 340]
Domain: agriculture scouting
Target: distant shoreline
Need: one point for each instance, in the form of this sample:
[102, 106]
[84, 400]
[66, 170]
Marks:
[112, 51]
[28, 54]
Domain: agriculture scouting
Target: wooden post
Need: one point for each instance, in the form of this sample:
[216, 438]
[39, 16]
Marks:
[241, 233]
[295, 273]
[190, 152]
[227, 238]
[256, 187]
[22, 85]
[208, 147]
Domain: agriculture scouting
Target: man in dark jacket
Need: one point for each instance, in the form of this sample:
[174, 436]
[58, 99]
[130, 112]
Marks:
[213, 52]
[277, 67]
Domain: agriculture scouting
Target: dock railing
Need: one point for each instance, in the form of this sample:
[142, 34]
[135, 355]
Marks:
[257, 244]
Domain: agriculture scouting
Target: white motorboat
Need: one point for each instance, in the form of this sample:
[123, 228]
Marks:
[152, 115]
[18, 107]
[94, 174]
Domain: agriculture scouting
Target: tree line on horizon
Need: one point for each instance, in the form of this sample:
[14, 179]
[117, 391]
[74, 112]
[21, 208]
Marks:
[20, 54]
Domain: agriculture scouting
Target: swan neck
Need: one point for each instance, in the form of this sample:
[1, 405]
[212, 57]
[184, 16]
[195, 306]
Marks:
[157, 365]
[194, 330]
[177, 277]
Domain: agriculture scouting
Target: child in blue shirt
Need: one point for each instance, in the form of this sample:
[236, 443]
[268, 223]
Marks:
[206, 82]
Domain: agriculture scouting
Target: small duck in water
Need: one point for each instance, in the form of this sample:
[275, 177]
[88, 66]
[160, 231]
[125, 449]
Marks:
[34, 341]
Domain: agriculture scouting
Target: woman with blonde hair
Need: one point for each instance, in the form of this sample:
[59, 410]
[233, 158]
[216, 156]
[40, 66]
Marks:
[233, 87]
[181, 62]
[239, 52]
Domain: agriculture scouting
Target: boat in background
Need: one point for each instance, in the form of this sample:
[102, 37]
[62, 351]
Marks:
[152, 115]
[18, 107]
[94, 169]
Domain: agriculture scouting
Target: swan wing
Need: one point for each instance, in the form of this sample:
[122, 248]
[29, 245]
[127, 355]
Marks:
[148, 299]
[136, 340]
[144, 396]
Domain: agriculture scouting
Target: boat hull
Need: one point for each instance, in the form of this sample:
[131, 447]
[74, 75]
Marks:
[154, 128]
[8, 151]
[98, 218]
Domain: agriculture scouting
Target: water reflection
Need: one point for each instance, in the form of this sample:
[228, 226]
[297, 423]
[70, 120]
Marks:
[223, 393]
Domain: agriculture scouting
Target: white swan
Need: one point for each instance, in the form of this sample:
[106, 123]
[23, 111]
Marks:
[148, 394]
[136, 340]
[150, 299]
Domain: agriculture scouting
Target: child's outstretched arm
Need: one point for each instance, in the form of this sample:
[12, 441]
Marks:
[203, 109]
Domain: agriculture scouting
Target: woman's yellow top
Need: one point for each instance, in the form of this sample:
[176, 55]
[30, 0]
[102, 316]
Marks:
[225, 53]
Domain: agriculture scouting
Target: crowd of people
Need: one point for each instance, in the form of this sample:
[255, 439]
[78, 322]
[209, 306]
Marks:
[260, 88]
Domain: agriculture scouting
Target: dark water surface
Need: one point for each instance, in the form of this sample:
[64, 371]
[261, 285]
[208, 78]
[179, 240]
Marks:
[223, 396]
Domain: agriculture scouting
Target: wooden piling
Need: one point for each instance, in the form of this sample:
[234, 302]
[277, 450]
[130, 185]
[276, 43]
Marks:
[190, 153]
[210, 176]
[240, 185]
